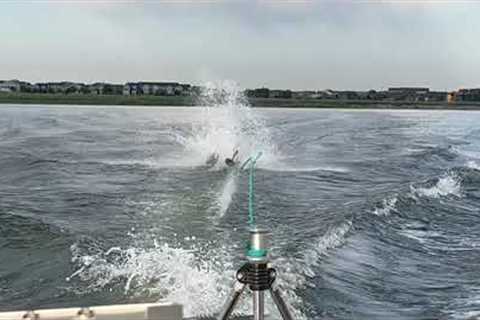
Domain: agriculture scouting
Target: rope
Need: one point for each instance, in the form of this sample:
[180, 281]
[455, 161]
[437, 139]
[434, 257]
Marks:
[251, 190]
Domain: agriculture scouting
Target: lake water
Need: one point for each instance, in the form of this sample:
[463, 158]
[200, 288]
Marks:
[373, 214]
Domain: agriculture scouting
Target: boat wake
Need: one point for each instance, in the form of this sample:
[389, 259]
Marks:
[198, 275]
[197, 281]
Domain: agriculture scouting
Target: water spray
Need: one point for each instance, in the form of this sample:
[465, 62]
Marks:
[257, 273]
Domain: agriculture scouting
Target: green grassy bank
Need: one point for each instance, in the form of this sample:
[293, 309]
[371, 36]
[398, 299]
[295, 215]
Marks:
[144, 100]
[85, 99]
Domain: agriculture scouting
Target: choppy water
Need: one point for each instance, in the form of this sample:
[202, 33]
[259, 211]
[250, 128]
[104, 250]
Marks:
[374, 214]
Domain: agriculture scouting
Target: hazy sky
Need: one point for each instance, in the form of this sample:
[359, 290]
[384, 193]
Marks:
[279, 44]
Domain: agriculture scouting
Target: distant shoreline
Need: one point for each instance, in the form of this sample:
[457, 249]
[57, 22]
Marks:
[188, 101]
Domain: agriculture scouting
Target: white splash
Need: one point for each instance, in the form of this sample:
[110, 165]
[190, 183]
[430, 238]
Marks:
[387, 206]
[473, 165]
[225, 194]
[174, 274]
[227, 124]
[468, 153]
[333, 238]
[447, 185]
[199, 277]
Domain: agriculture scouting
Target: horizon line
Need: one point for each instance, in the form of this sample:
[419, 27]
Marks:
[195, 83]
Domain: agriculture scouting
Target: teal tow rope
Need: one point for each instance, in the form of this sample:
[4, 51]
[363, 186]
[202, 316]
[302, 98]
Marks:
[251, 191]
[252, 252]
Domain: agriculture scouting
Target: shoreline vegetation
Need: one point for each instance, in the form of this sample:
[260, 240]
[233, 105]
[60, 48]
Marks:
[151, 100]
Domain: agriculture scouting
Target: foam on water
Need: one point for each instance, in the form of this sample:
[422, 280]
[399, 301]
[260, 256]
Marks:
[468, 153]
[449, 184]
[333, 238]
[473, 165]
[387, 206]
[197, 275]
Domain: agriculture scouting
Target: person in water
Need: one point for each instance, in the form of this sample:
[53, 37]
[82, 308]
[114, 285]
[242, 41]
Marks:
[212, 160]
[232, 161]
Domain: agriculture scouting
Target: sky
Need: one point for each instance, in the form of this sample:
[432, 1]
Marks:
[311, 45]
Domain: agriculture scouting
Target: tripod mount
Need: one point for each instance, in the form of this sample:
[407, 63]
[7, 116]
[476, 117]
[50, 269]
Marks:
[256, 273]
[259, 276]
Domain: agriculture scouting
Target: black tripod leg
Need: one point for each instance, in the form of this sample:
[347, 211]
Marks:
[232, 301]
[280, 303]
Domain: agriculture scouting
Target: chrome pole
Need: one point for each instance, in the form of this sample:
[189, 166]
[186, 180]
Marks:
[258, 305]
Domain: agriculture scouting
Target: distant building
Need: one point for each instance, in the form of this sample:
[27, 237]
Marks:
[348, 95]
[328, 94]
[111, 89]
[407, 94]
[258, 93]
[4, 88]
[72, 87]
[318, 95]
[156, 88]
[436, 96]
[15, 86]
[304, 94]
[57, 87]
[130, 89]
[41, 87]
[160, 88]
[65, 87]
[9, 86]
[411, 94]
[468, 95]
[368, 95]
[96, 88]
[184, 90]
[416, 90]
[102, 88]
[282, 94]
[381, 95]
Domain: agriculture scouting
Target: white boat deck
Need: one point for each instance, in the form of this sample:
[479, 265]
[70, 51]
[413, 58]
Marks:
[143, 311]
